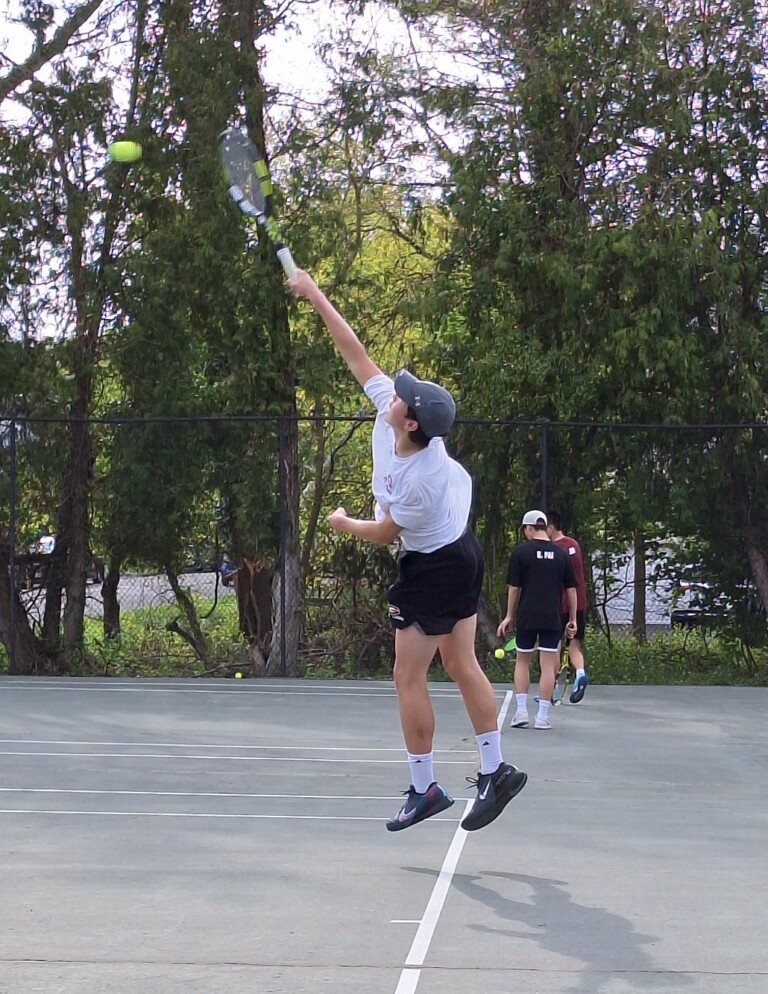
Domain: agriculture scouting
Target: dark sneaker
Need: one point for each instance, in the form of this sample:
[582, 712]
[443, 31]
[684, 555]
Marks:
[494, 792]
[579, 686]
[417, 807]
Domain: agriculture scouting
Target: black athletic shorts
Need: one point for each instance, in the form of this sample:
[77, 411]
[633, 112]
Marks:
[436, 589]
[580, 624]
[547, 639]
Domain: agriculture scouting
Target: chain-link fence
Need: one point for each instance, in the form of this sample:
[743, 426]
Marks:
[212, 530]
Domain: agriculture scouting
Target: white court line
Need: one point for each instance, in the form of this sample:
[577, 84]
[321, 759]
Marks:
[204, 745]
[504, 708]
[409, 981]
[190, 814]
[196, 793]
[409, 978]
[217, 758]
[239, 691]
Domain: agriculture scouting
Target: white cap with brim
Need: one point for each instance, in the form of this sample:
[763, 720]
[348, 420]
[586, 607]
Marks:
[535, 518]
[432, 405]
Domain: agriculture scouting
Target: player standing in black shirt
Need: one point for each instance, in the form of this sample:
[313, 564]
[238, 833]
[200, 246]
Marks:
[538, 571]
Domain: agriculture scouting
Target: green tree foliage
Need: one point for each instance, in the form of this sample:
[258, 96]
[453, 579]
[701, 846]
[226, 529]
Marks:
[606, 180]
[557, 209]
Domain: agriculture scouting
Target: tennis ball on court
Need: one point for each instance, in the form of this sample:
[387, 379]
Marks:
[238, 675]
[124, 151]
[499, 653]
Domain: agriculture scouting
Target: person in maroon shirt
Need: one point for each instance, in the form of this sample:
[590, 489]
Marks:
[575, 644]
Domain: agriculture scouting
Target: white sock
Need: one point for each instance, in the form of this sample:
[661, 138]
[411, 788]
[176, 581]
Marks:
[489, 746]
[422, 774]
[578, 674]
[544, 707]
[522, 702]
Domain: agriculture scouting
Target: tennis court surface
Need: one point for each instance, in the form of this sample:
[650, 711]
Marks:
[228, 836]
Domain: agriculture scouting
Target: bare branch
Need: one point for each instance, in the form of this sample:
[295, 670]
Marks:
[40, 56]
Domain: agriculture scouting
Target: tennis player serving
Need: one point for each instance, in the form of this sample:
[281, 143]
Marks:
[423, 499]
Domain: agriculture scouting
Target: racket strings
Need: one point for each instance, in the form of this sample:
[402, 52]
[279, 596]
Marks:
[249, 182]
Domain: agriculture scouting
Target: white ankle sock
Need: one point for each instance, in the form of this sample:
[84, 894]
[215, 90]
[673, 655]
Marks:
[489, 746]
[544, 707]
[422, 774]
[522, 702]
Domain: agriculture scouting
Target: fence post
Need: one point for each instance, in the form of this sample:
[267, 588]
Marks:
[12, 661]
[282, 497]
[544, 465]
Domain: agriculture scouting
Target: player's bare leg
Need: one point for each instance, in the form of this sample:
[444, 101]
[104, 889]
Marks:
[580, 680]
[414, 652]
[497, 782]
[457, 653]
[548, 663]
[522, 680]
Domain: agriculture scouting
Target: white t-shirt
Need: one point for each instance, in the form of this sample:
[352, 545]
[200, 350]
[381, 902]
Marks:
[428, 494]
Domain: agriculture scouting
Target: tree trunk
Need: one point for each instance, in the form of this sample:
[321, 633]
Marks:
[25, 653]
[639, 629]
[288, 603]
[285, 661]
[77, 552]
[193, 636]
[54, 596]
[755, 556]
[110, 599]
[253, 585]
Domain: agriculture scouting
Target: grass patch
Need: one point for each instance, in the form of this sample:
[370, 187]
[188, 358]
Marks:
[145, 648]
[674, 657]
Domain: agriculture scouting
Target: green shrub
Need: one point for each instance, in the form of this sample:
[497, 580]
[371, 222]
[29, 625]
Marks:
[363, 649]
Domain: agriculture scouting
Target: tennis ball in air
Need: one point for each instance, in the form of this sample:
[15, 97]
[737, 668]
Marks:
[124, 151]
[499, 653]
[238, 675]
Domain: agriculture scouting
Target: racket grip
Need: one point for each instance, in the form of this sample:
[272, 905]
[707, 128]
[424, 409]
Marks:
[286, 261]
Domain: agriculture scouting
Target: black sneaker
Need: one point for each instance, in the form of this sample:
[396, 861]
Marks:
[494, 792]
[417, 807]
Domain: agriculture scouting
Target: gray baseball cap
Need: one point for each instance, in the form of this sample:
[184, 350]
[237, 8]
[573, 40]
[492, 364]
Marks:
[432, 404]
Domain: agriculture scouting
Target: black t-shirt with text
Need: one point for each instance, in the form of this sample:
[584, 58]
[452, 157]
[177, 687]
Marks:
[541, 569]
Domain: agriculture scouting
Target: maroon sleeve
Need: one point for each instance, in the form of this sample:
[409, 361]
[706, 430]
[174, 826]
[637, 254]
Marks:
[578, 569]
[573, 550]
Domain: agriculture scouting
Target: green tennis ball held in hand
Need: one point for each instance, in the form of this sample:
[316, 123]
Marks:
[124, 151]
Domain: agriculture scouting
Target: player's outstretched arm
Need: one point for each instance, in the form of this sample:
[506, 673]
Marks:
[349, 345]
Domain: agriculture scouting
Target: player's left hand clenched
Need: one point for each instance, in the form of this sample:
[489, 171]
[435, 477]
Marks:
[337, 519]
[570, 629]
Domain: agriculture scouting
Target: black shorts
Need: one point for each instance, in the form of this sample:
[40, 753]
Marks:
[436, 589]
[547, 639]
[580, 624]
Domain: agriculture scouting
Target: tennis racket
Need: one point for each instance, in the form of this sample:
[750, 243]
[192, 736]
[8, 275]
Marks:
[563, 676]
[251, 188]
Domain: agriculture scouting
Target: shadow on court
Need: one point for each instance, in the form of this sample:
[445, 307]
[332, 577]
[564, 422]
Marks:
[550, 919]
